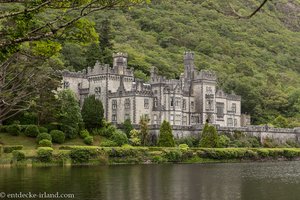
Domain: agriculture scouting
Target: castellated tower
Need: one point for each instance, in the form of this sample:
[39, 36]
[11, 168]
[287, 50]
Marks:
[120, 62]
[188, 65]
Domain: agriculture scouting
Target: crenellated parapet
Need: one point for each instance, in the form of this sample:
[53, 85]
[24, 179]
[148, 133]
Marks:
[205, 75]
[80, 74]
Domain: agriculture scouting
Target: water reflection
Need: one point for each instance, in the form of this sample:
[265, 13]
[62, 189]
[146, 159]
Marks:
[277, 180]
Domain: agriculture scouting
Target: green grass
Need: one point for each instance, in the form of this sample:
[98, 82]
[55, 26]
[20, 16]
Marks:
[27, 142]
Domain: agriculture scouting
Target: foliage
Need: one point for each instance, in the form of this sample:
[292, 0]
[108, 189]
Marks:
[209, 137]
[224, 141]
[92, 112]
[183, 147]
[45, 143]
[44, 154]
[57, 136]
[280, 122]
[84, 133]
[31, 131]
[82, 154]
[173, 155]
[135, 137]
[69, 114]
[18, 155]
[144, 130]
[191, 141]
[13, 129]
[119, 138]
[166, 138]
[42, 136]
[127, 127]
[11, 148]
[108, 143]
[43, 129]
[88, 140]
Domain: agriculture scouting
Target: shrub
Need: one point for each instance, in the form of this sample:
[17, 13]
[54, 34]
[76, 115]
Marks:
[127, 127]
[84, 133]
[57, 136]
[108, 143]
[291, 153]
[43, 136]
[45, 143]
[80, 155]
[52, 126]
[3, 129]
[119, 137]
[31, 131]
[270, 143]
[173, 155]
[88, 140]
[11, 148]
[126, 150]
[43, 129]
[254, 142]
[92, 112]
[44, 154]
[18, 155]
[158, 159]
[166, 138]
[183, 147]
[135, 139]
[224, 141]
[191, 141]
[292, 143]
[70, 132]
[209, 137]
[238, 135]
[264, 153]
[13, 129]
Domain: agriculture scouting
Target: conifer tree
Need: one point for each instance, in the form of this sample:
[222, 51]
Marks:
[92, 112]
[166, 138]
[127, 127]
[209, 137]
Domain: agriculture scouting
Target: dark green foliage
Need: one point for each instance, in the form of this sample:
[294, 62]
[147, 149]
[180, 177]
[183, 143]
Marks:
[209, 137]
[44, 154]
[13, 129]
[57, 136]
[11, 148]
[69, 115]
[191, 141]
[280, 122]
[126, 151]
[88, 140]
[45, 143]
[119, 138]
[144, 130]
[84, 133]
[224, 141]
[127, 127]
[43, 136]
[43, 129]
[82, 155]
[166, 138]
[92, 112]
[270, 143]
[18, 155]
[31, 131]
[173, 155]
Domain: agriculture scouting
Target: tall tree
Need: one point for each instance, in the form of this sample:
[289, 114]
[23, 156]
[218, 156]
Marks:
[166, 138]
[209, 137]
[92, 112]
[144, 130]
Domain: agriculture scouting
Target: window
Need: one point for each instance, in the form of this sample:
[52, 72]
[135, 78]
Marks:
[177, 120]
[183, 104]
[127, 116]
[127, 103]
[220, 110]
[114, 118]
[209, 105]
[177, 102]
[192, 105]
[235, 122]
[172, 101]
[155, 102]
[171, 118]
[66, 84]
[184, 120]
[233, 107]
[155, 119]
[114, 104]
[97, 90]
[229, 122]
[146, 103]
[155, 91]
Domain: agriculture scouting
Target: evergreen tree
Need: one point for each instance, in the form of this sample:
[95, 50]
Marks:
[127, 127]
[105, 42]
[144, 130]
[209, 137]
[92, 54]
[166, 138]
[69, 113]
[92, 112]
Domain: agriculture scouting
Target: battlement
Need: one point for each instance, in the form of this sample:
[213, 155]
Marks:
[205, 75]
[80, 74]
[188, 55]
[120, 54]
[99, 69]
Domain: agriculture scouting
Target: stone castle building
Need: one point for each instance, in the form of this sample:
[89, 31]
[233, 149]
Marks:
[190, 100]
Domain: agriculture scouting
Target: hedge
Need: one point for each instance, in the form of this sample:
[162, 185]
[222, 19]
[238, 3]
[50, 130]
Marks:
[11, 148]
[13, 129]
[45, 143]
[88, 140]
[57, 136]
[44, 154]
[43, 136]
[18, 155]
[31, 131]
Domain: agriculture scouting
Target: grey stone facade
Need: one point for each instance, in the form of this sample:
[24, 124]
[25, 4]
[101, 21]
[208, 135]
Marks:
[193, 99]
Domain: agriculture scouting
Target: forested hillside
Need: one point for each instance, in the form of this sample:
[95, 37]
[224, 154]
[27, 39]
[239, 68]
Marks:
[258, 58]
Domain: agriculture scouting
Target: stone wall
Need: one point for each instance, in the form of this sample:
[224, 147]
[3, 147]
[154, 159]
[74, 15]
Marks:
[261, 132]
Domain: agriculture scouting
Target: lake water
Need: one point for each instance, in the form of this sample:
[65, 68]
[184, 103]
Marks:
[253, 181]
